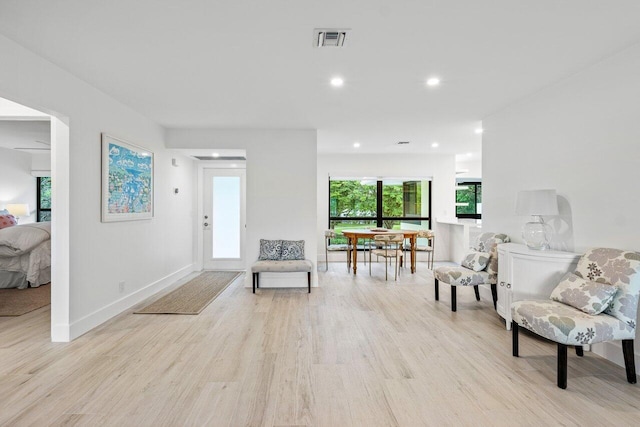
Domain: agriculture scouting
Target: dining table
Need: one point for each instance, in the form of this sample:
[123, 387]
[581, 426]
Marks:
[360, 233]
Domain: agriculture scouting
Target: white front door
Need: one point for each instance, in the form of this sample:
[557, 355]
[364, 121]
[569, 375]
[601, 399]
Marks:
[224, 219]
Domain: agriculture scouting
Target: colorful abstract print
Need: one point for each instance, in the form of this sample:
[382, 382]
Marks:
[130, 175]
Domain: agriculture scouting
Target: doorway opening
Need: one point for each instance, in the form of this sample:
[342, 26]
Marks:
[34, 212]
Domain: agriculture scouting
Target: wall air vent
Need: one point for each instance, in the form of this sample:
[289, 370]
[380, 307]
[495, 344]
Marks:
[403, 142]
[330, 37]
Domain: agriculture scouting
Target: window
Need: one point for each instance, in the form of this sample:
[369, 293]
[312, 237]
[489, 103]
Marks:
[388, 203]
[44, 198]
[469, 200]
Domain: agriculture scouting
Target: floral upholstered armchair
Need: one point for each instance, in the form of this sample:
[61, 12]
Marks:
[479, 267]
[596, 303]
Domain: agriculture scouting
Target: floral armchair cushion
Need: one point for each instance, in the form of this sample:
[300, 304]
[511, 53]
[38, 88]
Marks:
[567, 325]
[460, 276]
[620, 269]
[477, 261]
[488, 242]
[585, 295]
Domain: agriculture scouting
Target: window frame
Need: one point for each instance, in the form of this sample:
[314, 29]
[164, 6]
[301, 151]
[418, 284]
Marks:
[379, 218]
[39, 208]
[475, 185]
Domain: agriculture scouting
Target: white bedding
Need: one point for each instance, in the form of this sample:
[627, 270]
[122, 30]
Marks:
[25, 255]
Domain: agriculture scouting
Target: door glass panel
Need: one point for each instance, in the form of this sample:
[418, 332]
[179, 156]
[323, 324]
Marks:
[226, 217]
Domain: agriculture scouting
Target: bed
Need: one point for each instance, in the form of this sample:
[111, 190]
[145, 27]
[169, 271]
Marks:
[25, 255]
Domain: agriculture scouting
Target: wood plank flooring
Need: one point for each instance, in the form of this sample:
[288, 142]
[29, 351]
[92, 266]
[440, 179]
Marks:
[357, 351]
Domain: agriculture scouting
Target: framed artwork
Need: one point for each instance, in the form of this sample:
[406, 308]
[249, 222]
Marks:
[127, 181]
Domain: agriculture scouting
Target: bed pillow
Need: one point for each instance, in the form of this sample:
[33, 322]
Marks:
[270, 250]
[292, 250]
[7, 220]
[591, 297]
[476, 261]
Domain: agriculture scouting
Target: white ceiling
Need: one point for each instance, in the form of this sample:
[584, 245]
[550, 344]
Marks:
[251, 64]
[32, 136]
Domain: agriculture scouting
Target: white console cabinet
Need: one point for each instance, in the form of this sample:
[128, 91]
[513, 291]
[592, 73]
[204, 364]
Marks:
[524, 273]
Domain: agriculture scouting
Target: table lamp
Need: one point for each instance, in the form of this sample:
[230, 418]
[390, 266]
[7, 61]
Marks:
[19, 210]
[537, 233]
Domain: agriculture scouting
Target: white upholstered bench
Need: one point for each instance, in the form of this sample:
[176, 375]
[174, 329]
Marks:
[288, 266]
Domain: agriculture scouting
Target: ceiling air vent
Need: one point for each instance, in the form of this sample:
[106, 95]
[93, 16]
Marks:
[402, 142]
[220, 158]
[329, 37]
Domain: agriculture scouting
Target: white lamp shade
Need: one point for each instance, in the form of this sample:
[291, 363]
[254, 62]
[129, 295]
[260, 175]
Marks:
[19, 210]
[537, 202]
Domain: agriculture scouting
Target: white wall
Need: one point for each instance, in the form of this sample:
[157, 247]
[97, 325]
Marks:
[17, 185]
[440, 167]
[146, 255]
[281, 183]
[472, 168]
[581, 137]
[41, 164]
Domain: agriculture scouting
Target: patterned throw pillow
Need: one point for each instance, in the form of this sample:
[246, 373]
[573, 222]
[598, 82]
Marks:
[591, 297]
[476, 261]
[292, 249]
[270, 249]
[7, 220]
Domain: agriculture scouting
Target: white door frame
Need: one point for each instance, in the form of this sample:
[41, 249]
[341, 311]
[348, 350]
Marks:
[199, 217]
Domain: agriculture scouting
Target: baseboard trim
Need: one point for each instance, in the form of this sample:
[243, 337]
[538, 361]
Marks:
[60, 333]
[90, 321]
[612, 351]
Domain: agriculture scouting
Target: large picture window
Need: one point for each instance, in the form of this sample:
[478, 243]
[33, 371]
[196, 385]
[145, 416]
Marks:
[469, 200]
[389, 203]
[44, 198]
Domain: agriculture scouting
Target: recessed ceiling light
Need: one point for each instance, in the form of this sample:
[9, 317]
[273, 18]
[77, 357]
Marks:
[233, 165]
[479, 131]
[356, 144]
[433, 81]
[469, 154]
[435, 145]
[337, 82]
[215, 155]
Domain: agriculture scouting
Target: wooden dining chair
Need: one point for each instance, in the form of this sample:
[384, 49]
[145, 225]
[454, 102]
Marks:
[388, 246]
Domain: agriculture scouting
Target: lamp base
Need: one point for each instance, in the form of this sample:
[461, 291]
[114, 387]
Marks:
[537, 234]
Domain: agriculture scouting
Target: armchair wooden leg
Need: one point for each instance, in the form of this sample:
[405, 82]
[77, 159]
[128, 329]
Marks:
[453, 298]
[494, 294]
[326, 257]
[514, 339]
[477, 291]
[629, 362]
[579, 351]
[562, 366]
[309, 280]
[254, 282]
[437, 290]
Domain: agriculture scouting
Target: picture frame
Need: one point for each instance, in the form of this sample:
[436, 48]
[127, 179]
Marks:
[127, 180]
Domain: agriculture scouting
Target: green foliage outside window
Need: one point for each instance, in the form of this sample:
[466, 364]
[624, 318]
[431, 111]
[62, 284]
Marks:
[354, 204]
[44, 199]
[472, 195]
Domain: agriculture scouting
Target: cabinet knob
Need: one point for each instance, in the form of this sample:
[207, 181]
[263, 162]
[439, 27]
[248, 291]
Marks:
[501, 283]
[508, 285]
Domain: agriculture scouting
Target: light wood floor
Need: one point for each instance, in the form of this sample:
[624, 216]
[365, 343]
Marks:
[356, 351]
